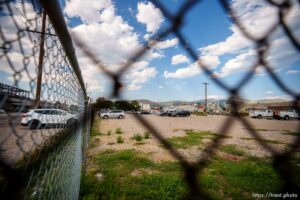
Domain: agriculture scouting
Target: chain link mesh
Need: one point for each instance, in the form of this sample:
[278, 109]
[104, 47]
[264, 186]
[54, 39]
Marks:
[20, 46]
[40, 159]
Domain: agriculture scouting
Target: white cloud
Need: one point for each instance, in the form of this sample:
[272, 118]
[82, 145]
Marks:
[138, 74]
[160, 87]
[257, 17]
[149, 15]
[293, 72]
[193, 69]
[189, 71]
[232, 44]
[166, 43]
[112, 39]
[241, 62]
[270, 92]
[210, 61]
[178, 59]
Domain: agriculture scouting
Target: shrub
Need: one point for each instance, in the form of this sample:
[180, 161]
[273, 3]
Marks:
[119, 131]
[146, 134]
[109, 132]
[120, 139]
[137, 137]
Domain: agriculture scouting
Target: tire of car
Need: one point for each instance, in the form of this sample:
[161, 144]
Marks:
[105, 117]
[34, 124]
[120, 117]
[72, 123]
[286, 117]
[259, 116]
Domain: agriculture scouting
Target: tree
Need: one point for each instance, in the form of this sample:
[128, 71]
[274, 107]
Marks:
[123, 105]
[135, 105]
[102, 103]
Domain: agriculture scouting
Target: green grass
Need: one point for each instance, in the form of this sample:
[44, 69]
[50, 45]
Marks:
[192, 138]
[232, 149]
[120, 139]
[109, 132]
[137, 137]
[119, 184]
[95, 130]
[290, 133]
[264, 140]
[146, 134]
[221, 179]
[200, 113]
[118, 131]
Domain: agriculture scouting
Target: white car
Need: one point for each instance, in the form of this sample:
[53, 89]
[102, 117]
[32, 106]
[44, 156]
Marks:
[261, 114]
[113, 114]
[286, 115]
[37, 118]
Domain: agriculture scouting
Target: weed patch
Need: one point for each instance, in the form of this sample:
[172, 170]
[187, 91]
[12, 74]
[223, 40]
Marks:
[109, 132]
[264, 140]
[290, 133]
[120, 139]
[192, 138]
[118, 131]
[137, 137]
[95, 130]
[146, 134]
[232, 149]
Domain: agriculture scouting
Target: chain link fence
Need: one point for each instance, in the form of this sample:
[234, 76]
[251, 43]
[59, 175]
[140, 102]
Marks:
[44, 107]
[45, 163]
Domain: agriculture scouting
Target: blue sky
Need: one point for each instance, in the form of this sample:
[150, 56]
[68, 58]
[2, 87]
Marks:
[114, 29]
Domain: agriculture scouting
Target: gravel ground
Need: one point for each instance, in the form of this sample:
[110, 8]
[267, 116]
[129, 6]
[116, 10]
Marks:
[169, 127]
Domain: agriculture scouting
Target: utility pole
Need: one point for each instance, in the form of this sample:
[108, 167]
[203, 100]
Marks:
[41, 58]
[206, 105]
[41, 61]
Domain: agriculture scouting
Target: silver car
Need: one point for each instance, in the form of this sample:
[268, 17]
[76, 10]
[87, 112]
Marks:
[120, 114]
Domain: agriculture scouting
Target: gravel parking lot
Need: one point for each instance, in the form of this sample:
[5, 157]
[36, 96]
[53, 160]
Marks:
[17, 140]
[278, 133]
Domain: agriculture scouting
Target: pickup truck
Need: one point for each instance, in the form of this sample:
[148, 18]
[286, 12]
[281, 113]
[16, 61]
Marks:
[261, 114]
[287, 115]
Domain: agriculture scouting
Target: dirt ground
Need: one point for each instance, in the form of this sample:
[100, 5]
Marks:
[169, 127]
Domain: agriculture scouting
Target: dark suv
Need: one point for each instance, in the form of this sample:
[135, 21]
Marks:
[182, 113]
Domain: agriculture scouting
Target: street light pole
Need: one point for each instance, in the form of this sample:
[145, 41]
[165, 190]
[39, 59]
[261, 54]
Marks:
[206, 105]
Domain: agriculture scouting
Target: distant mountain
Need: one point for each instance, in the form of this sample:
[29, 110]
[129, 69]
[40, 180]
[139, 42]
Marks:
[202, 101]
[272, 100]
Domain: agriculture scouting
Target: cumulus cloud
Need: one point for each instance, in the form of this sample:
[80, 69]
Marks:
[178, 59]
[149, 15]
[257, 17]
[166, 43]
[112, 39]
[193, 69]
[138, 74]
[189, 71]
[293, 72]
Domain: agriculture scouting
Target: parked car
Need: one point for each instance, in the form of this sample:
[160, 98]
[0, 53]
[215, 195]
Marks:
[261, 114]
[287, 115]
[145, 113]
[113, 114]
[182, 113]
[37, 118]
[167, 112]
